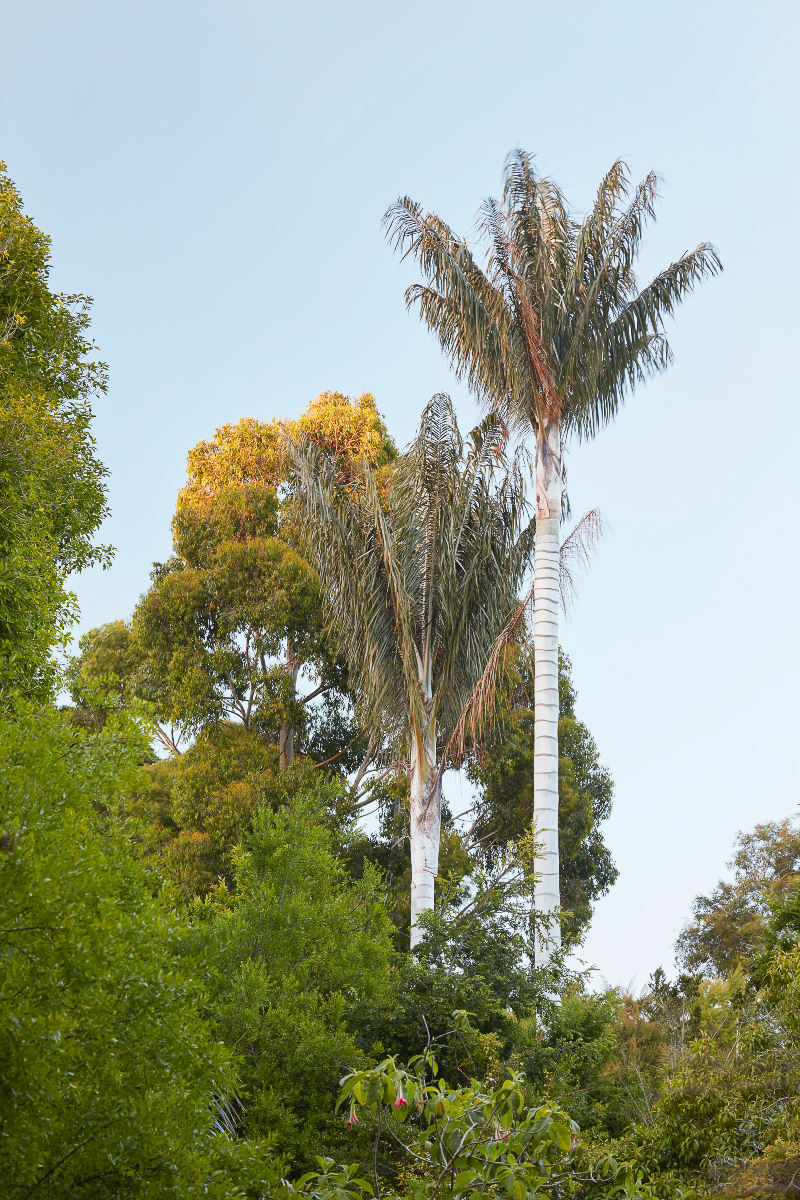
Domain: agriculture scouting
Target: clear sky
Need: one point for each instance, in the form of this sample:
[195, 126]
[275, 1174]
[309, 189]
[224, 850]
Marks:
[214, 174]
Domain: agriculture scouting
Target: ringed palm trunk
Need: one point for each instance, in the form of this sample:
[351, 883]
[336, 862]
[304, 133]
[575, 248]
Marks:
[426, 819]
[545, 642]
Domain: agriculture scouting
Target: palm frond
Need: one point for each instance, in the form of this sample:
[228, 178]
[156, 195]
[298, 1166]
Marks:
[625, 351]
[228, 1111]
[601, 278]
[475, 340]
[350, 546]
[459, 304]
[479, 715]
[576, 554]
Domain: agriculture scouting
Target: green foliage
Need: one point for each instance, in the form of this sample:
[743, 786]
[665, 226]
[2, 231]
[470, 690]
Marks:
[330, 1184]
[196, 807]
[387, 847]
[477, 965]
[217, 788]
[112, 1085]
[568, 1062]
[52, 495]
[730, 1098]
[503, 769]
[150, 802]
[468, 1141]
[541, 1022]
[288, 948]
[236, 593]
[163, 1043]
[730, 925]
[102, 677]
[218, 610]
[782, 931]
[716, 1076]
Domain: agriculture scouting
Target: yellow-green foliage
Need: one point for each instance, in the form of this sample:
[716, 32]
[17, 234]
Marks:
[348, 430]
[733, 1094]
[730, 923]
[249, 453]
[718, 1007]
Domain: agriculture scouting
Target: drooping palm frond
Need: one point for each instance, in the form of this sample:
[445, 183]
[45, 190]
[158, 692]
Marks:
[352, 548]
[228, 1110]
[460, 305]
[480, 714]
[531, 391]
[620, 349]
[576, 554]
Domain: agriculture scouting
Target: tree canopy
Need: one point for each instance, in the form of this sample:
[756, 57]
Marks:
[730, 923]
[52, 490]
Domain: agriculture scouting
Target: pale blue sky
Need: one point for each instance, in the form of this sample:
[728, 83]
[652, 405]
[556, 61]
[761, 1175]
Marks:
[214, 175]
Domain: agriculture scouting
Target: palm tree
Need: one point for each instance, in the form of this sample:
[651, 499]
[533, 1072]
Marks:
[551, 334]
[418, 583]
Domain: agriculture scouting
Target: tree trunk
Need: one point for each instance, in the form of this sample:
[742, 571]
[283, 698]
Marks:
[545, 643]
[426, 820]
[287, 732]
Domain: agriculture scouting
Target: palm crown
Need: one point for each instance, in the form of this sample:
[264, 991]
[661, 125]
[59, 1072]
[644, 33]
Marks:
[419, 582]
[555, 327]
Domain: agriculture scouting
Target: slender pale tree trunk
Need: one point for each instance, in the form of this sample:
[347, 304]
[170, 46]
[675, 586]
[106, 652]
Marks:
[545, 642]
[426, 820]
[286, 743]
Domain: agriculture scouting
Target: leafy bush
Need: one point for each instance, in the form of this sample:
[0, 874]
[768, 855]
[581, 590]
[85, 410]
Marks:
[288, 947]
[112, 1085]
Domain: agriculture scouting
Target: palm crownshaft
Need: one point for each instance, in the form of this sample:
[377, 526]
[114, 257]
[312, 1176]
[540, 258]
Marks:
[551, 335]
[417, 586]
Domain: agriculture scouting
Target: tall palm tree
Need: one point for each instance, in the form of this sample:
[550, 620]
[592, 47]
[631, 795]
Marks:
[551, 333]
[418, 584]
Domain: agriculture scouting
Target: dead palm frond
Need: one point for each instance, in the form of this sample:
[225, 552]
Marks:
[576, 554]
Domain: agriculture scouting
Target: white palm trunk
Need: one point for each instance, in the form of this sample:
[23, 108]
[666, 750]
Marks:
[426, 820]
[545, 642]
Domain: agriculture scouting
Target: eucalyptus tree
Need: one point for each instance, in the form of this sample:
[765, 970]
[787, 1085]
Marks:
[419, 575]
[52, 485]
[551, 333]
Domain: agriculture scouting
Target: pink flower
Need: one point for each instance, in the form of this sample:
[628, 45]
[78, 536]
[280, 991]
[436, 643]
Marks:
[352, 1120]
[400, 1102]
